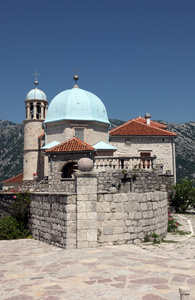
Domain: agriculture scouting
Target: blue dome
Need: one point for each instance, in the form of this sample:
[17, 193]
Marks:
[36, 94]
[76, 104]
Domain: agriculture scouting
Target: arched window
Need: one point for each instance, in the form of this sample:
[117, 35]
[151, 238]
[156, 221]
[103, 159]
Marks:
[38, 110]
[31, 110]
[68, 169]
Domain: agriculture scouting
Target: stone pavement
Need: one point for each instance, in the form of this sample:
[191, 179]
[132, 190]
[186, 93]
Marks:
[30, 269]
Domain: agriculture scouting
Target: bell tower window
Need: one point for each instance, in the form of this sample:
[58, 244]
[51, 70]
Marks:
[31, 110]
[38, 110]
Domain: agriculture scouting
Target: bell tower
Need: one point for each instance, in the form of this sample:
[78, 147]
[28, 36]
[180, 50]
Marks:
[36, 110]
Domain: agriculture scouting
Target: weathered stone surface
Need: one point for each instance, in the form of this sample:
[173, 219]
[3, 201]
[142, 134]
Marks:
[66, 220]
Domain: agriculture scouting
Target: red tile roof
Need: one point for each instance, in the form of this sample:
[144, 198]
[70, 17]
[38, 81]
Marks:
[135, 128]
[17, 178]
[71, 145]
[152, 123]
[41, 135]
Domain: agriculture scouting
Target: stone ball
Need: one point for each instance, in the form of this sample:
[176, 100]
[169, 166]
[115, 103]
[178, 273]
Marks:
[85, 164]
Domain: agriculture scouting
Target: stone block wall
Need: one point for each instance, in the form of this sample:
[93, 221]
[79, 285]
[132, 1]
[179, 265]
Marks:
[53, 219]
[6, 202]
[139, 181]
[89, 218]
[128, 218]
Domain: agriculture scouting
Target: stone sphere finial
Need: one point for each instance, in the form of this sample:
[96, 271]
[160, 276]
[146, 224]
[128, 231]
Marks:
[76, 78]
[85, 164]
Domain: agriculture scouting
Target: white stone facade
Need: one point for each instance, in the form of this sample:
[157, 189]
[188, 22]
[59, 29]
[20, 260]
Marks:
[161, 147]
[93, 132]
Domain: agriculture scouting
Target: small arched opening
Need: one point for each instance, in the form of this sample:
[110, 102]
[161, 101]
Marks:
[38, 110]
[68, 169]
[31, 110]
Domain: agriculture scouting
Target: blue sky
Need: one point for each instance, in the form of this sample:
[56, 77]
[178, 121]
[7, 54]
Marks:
[137, 56]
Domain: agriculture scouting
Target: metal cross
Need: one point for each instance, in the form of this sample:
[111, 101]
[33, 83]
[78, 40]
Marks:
[76, 70]
[36, 74]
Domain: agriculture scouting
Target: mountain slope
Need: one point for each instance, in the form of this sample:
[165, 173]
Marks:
[11, 149]
[184, 148]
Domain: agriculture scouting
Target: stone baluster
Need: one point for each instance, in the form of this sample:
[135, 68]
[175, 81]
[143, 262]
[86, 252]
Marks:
[126, 164]
[149, 164]
[119, 164]
[103, 165]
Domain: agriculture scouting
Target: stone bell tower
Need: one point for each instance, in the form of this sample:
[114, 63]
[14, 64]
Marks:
[36, 110]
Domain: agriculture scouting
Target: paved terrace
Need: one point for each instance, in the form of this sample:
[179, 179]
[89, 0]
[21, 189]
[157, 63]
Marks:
[30, 269]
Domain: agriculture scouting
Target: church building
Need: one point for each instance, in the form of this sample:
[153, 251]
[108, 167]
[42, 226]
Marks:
[76, 125]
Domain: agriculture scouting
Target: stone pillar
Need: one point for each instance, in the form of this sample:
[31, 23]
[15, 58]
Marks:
[42, 110]
[27, 111]
[35, 110]
[184, 293]
[86, 189]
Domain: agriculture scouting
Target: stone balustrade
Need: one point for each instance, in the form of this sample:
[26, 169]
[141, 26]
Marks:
[104, 163]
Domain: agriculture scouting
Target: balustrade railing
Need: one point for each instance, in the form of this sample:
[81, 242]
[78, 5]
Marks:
[106, 163]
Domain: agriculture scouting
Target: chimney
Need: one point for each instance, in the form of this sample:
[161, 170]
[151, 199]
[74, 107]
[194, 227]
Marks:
[148, 117]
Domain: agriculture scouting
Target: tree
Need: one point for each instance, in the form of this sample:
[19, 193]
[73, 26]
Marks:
[183, 195]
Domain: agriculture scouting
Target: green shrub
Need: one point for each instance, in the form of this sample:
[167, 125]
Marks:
[11, 229]
[21, 208]
[16, 225]
[183, 195]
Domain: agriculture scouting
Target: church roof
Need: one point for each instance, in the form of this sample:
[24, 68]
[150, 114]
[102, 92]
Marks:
[76, 104]
[72, 145]
[36, 94]
[136, 128]
[50, 145]
[152, 123]
[18, 179]
[103, 146]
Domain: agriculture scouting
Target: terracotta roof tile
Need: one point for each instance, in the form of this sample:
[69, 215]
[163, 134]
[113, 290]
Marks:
[152, 123]
[135, 128]
[71, 145]
[17, 178]
[41, 135]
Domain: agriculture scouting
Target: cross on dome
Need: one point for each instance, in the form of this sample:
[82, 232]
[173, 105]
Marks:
[36, 81]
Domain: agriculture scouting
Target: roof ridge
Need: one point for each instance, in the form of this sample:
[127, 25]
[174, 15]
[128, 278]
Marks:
[71, 140]
[143, 125]
[121, 125]
[164, 130]
[82, 141]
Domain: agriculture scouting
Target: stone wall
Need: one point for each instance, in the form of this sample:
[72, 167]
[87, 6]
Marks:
[139, 181]
[53, 218]
[128, 218]
[86, 186]
[6, 202]
[89, 218]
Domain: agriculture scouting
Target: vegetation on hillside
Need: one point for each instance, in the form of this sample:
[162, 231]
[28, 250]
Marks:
[15, 226]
